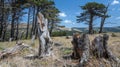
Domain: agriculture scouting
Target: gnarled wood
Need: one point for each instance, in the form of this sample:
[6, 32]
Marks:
[14, 50]
[44, 36]
[100, 48]
[83, 50]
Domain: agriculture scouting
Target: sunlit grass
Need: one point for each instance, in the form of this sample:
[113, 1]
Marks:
[66, 48]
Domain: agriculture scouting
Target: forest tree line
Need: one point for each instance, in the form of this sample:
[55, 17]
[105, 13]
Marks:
[12, 12]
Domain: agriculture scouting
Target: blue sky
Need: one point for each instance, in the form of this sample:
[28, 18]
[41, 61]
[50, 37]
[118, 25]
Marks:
[71, 8]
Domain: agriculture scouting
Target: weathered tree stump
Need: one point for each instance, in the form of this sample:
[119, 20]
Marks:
[100, 48]
[44, 37]
[83, 50]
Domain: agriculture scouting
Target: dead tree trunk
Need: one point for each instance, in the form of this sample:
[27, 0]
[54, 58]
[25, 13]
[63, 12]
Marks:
[13, 50]
[28, 23]
[100, 49]
[44, 37]
[81, 48]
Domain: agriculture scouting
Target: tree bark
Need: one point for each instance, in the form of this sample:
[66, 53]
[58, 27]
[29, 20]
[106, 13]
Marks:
[17, 30]
[43, 35]
[12, 25]
[11, 52]
[81, 48]
[2, 18]
[14, 18]
[28, 24]
[33, 22]
[102, 24]
[90, 24]
[39, 34]
[100, 48]
[4, 31]
[103, 19]
[35, 26]
[52, 26]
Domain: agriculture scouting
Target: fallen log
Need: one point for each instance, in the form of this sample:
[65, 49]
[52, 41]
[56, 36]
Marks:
[15, 50]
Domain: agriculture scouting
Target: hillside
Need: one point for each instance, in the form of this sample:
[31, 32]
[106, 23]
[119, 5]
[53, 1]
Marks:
[23, 26]
[105, 29]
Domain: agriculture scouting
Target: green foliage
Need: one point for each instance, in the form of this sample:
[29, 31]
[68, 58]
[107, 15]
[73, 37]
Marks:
[91, 11]
[16, 9]
[91, 8]
[59, 33]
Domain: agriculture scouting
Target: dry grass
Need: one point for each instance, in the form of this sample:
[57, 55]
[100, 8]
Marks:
[55, 60]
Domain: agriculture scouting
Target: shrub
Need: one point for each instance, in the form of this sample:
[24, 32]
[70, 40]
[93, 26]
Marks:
[59, 33]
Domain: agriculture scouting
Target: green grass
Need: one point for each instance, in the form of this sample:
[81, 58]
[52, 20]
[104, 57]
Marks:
[66, 51]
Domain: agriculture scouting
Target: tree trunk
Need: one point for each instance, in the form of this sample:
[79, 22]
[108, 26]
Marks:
[33, 22]
[39, 34]
[4, 31]
[28, 24]
[2, 19]
[17, 30]
[12, 25]
[90, 24]
[81, 48]
[102, 23]
[43, 35]
[100, 48]
[14, 13]
[103, 19]
[3, 36]
[11, 52]
[52, 26]
[35, 26]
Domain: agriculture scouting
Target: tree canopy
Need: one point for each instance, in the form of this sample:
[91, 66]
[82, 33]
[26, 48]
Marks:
[91, 10]
[13, 11]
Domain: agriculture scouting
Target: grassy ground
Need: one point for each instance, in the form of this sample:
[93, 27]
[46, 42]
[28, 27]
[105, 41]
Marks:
[55, 60]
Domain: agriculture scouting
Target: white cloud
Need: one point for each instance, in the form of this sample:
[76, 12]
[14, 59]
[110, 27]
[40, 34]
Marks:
[115, 2]
[62, 14]
[118, 18]
[67, 21]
